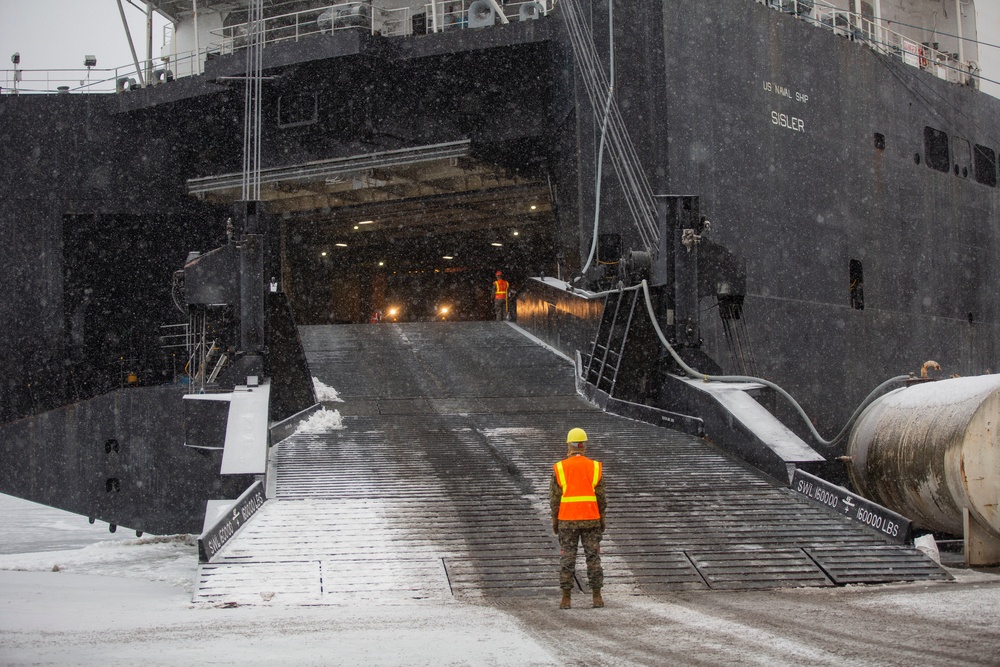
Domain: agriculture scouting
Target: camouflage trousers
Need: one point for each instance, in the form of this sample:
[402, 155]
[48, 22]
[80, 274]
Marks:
[569, 539]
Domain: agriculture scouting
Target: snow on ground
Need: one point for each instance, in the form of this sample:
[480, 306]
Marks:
[323, 420]
[150, 558]
[27, 526]
[73, 594]
[59, 618]
[121, 600]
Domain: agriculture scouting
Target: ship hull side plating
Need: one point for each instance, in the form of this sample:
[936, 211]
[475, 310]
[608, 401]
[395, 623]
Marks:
[120, 458]
[773, 124]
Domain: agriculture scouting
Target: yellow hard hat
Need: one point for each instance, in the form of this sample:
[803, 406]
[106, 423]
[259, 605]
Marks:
[576, 435]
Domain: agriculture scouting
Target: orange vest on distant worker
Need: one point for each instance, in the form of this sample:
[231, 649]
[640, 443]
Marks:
[577, 477]
[499, 288]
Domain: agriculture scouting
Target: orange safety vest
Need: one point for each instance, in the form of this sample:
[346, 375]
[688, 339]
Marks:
[500, 289]
[577, 477]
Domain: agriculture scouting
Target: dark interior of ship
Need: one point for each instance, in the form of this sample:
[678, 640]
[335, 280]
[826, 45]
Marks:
[435, 243]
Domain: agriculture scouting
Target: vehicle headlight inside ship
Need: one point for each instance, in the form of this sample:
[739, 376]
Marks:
[393, 312]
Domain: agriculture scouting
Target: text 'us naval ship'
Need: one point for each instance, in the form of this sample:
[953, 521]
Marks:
[767, 230]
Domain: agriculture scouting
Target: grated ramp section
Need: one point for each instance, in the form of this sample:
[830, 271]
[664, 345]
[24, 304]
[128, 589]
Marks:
[437, 486]
[768, 568]
[874, 565]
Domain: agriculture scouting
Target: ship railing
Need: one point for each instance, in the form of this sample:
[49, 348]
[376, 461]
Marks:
[295, 26]
[105, 80]
[369, 16]
[174, 336]
[175, 341]
[204, 357]
[878, 36]
[444, 15]
[437, 16]
[47, 81]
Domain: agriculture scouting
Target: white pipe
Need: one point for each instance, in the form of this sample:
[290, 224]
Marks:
[698, 375]
[149, 41]
[880, 37]
[961, 41]
[499, 10]
[197, 41]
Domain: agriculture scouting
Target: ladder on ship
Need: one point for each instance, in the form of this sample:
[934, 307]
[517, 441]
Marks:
[604, 362]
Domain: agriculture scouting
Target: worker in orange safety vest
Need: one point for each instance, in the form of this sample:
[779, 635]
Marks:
[577, 500]
[500, 296]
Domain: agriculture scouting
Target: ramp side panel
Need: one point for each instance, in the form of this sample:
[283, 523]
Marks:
[756, 419]
[564, 319]
[247, 432]
[119, 457]
[224, 519]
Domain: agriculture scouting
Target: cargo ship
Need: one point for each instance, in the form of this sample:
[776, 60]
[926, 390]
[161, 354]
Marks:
[807, 189]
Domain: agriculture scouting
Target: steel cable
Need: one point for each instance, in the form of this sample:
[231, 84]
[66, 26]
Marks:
[252, 101]
[635, 186]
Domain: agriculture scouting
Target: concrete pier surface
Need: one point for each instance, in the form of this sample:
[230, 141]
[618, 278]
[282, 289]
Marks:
[61, 618]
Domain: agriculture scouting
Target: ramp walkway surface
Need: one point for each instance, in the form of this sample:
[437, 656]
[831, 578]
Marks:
[436, 486]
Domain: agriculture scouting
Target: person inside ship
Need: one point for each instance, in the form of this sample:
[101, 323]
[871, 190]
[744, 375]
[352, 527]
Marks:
[500, 287]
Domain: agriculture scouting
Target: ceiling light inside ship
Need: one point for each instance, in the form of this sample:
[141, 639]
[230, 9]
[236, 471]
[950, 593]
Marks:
[432, 207]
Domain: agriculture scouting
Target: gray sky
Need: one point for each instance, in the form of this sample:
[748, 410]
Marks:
[57, 34]
[988, 13]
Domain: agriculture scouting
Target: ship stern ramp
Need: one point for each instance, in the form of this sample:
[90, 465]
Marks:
[431, 482]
